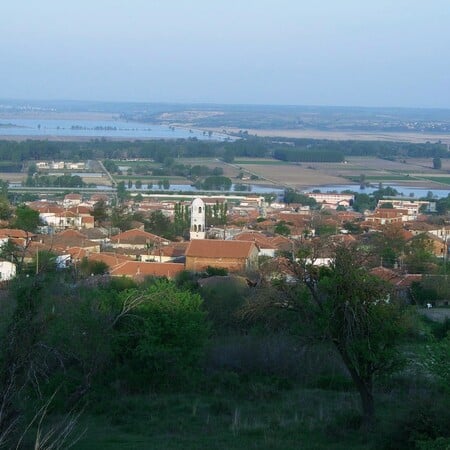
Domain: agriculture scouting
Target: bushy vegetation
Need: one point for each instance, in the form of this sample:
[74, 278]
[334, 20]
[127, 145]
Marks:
[66, 344]
[210, 360]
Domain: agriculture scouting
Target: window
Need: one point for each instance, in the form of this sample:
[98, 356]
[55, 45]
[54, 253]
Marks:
[200, 209]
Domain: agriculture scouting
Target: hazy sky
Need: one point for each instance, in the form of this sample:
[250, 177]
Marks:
[303, 52]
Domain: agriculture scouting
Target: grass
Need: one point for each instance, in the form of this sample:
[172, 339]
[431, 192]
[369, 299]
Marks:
[445, 180]
[392, 177]
[132, 163]
[287, 420]
[263, 163]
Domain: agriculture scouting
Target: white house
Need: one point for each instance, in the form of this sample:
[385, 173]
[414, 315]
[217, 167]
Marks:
[7, 270]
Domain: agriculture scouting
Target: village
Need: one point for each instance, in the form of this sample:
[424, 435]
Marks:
[250, 236]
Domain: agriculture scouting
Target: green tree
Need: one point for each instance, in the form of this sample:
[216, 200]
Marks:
[89, 267]
[282, 228]
[5, 209]
[181, 221]
[121, 191]
[349, 308]
[361, 319]
[43, 261]
[14, 253]
[162, 342]
[363, 202]
[100, 212]
[436, 360]
[437, 163]
[228, 156]
[26, 219]
[120, 218]
[290, 196]
[111, 166]
[419, 254]
[159, 224]
[389, 245]
[217, 183]
[32, 169]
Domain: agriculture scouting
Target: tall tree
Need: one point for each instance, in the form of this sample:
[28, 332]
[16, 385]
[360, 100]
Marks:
[159, 224]
[100, 212]
[27, 219]
[437, 163]
[351, 309]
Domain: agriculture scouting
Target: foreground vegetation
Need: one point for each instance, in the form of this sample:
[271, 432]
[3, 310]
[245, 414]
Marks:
[166, 364]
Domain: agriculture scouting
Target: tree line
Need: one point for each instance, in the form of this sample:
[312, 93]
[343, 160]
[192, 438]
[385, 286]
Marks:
[250, 146]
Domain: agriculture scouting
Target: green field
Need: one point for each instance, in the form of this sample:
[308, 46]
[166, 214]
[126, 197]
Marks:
[392, 177]
[270, 162]
[445, 180]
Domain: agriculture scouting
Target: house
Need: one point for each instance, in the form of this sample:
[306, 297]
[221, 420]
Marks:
[95, 198]
[139, 270]
[386, 216]
[166, 253]
[332, 200]
[110, 259]
[401, 282]
[137, 239]
[7, 270]
[97, 234]
[234, 256]
[72, 200]
[69, 238]
[61, 220]
[75, 165]
[438, 245]
[18, 237]
[57, 165]
[266, 248]
[412, 206]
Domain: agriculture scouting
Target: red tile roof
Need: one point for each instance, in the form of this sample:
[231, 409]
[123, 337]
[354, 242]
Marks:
[137, 237]
[211, 248]
[68, 238]
[111, 259]
[259, 238]
[73, 197]
[396, 279]
[15, 233]
[174, 249]
[80, 209]
[138, 269]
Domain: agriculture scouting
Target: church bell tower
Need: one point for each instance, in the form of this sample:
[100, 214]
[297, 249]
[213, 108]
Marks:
[197, 219]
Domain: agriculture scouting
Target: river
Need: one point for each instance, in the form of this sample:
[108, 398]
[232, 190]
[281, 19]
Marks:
[405, 191]
[100, 129]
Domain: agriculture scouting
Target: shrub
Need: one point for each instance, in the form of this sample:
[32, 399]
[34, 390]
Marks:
[422, 422]
[161, 342]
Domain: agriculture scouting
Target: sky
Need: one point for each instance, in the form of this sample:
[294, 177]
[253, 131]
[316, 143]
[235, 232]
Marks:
[283, 52]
